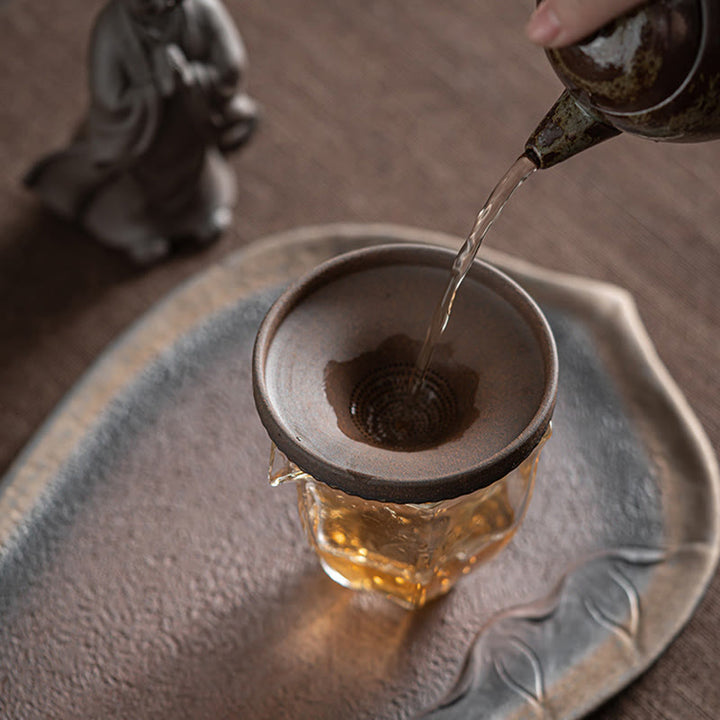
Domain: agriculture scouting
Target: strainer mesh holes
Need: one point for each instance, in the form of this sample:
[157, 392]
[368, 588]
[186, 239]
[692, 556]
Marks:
[390, 414]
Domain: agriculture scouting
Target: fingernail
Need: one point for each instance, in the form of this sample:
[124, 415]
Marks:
[544, 25]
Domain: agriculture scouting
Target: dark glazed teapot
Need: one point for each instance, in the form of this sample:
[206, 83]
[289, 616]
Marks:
[654, 72]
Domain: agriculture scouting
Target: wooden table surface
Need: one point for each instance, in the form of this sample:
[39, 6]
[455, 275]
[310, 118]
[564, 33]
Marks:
[374, 111]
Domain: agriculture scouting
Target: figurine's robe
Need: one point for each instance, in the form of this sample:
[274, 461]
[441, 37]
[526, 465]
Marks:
[140, 159]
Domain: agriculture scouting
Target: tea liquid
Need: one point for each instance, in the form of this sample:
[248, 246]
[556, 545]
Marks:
[520, 171]
[397, 402]
[412, 553]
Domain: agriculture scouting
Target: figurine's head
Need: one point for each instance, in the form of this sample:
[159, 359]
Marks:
[151, 8]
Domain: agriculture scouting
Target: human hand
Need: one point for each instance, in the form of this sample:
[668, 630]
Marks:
[556, 23]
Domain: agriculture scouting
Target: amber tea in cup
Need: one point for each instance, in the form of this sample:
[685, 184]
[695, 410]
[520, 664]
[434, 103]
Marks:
[404, 486]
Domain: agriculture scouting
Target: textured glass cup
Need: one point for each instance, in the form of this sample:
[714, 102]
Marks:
[405, 504]
[409, 552]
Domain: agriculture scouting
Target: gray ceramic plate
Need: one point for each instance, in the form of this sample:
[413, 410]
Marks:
[148, 570]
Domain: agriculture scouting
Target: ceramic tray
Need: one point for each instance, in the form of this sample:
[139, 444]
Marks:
[149, 571]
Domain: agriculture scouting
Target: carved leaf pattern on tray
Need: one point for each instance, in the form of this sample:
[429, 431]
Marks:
[522, 671]
[515, 658]
[622, 597]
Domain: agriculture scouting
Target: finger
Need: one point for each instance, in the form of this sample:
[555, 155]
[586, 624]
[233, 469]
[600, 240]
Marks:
[175, 56]
[556, 23]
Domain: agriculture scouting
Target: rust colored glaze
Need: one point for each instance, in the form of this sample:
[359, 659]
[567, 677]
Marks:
[655, 72]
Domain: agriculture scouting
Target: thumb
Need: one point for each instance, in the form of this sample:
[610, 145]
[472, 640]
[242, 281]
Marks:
[556, 23]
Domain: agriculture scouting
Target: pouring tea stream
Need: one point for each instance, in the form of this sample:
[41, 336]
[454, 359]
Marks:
[654, 72]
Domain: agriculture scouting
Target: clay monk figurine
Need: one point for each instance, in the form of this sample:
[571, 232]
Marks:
[146, 167]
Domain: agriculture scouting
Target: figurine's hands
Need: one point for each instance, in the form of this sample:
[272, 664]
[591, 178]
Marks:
[163, 71]
[556, 23]
[180, 65]
[171, 69]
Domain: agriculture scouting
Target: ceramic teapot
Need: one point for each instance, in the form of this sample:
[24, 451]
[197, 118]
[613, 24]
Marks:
[654, 72]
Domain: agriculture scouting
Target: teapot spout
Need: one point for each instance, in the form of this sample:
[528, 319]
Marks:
[566, 130]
